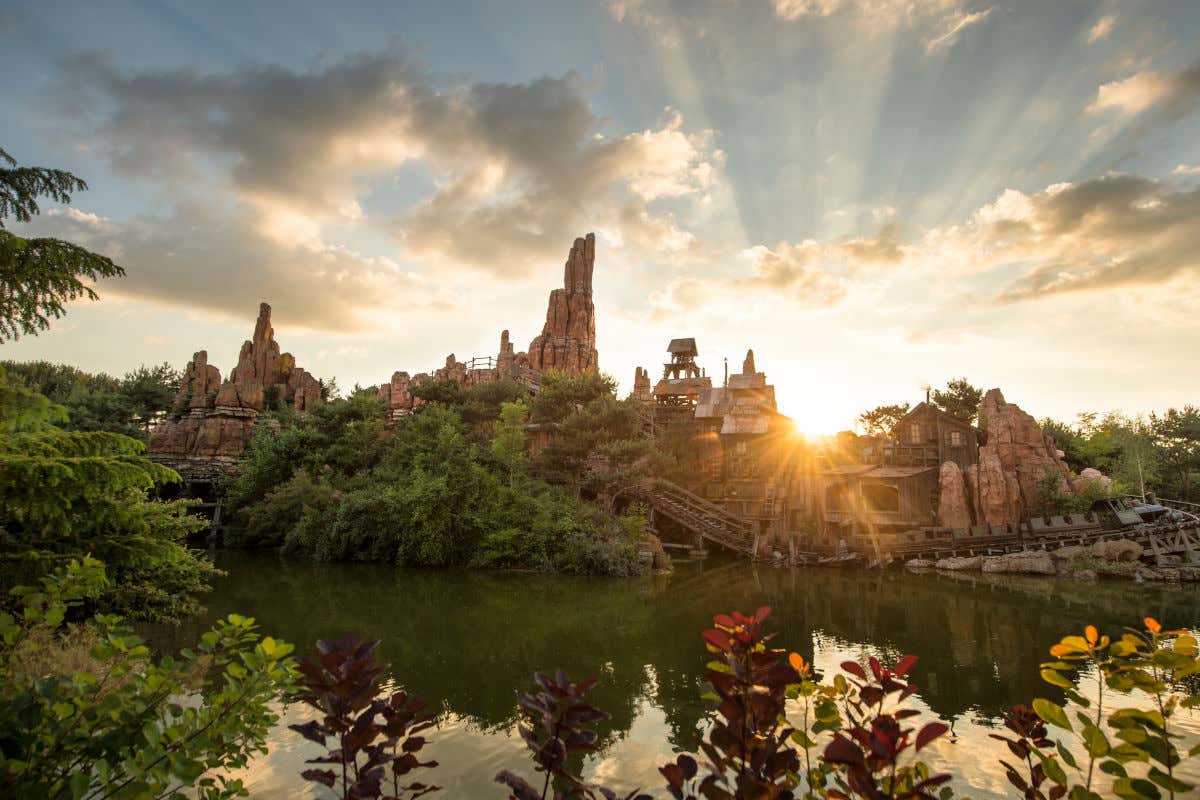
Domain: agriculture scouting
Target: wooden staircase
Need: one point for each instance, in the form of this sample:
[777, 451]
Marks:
[698, 515]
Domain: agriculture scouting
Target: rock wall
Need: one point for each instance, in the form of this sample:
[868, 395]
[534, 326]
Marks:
[215, 419]
[568, 339]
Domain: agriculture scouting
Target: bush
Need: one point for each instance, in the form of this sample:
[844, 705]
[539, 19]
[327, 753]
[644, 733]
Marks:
[116, 722]
[338, 485]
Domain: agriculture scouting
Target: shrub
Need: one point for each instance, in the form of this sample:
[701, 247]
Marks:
[120, 723]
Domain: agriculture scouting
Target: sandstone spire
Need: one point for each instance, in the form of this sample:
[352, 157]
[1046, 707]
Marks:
[568, 339]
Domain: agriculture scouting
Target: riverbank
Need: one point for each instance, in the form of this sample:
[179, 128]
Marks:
[1118, 560]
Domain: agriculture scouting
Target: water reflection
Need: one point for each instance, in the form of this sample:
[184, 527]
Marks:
[468, 640]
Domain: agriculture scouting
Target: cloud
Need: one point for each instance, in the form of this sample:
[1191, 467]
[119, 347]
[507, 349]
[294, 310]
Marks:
[1101, 29]
[952, 27]
[1098, 234]
[1184, 169]
[885, 11]
[1171, 93]
[517, 169]
[199, 257]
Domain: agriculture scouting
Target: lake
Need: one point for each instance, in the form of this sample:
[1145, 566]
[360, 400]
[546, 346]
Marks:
[465, 641]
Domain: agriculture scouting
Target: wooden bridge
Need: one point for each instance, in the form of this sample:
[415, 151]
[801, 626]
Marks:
[698, 515]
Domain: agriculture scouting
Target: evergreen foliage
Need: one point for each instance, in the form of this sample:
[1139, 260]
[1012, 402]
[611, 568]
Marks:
[959, 398]
[40, 276]
[66, 494]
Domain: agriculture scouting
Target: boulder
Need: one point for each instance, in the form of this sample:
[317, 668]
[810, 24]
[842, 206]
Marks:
[919, 563]
[1070, 552]
[953, 509]
[1033, 562]
[960, 564]
[1092, 480]
[1117, 550]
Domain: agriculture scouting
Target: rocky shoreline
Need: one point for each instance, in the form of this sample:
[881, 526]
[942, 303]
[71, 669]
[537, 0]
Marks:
[1120, 559]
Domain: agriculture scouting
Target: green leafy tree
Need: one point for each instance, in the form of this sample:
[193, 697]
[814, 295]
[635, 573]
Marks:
[38, 277]
[1176, 433]
[959, 398]
[510, 442]
[882, 420]
[66, 494]
[126, 725]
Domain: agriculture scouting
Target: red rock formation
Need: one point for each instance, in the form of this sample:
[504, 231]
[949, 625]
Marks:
[200, 383]
[397, 394]
[568, 339]
[220, 417]
[953, 508]
[996, 494]
[1025, 453]
[641, 386]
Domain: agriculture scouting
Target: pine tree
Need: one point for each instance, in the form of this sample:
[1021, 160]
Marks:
[38, 277]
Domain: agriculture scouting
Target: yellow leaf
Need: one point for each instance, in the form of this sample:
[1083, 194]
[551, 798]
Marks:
[1091, 634]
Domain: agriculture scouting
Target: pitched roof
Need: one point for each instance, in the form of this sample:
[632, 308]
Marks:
[685, 347]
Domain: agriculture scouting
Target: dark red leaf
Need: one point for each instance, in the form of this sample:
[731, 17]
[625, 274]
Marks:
[930, 732]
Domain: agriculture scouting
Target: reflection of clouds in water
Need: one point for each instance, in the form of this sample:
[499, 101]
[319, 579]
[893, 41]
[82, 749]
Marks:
[971, 755]
[470, 757]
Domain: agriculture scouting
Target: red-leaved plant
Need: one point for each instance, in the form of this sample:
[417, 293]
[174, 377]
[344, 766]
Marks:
[374, 735]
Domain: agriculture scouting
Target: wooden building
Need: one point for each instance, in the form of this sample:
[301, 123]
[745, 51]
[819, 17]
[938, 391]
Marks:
[894, 487]
[753, 464]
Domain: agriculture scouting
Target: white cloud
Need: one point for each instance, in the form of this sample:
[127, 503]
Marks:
[1175, 93]
[1184, 169]
[1101, 29]
[952, 27]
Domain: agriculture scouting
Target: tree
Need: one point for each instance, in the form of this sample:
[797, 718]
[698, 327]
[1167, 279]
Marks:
[38, 277]
[959, 398]
[67, 494]
[881, 420]
[509, 441]
[1177, 435]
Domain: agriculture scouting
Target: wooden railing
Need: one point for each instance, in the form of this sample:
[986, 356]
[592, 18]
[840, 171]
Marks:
[698, 515]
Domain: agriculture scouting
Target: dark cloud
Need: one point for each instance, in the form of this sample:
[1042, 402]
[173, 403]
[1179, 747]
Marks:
[1118, 230]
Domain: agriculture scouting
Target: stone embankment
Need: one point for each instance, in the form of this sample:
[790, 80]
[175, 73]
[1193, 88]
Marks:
[1110, 559]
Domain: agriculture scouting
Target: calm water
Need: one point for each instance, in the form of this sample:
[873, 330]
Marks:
[465, 641]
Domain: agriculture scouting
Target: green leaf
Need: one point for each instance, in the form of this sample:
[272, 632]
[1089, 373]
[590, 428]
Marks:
[1052, 713]
[1168, 782]
[1054, 770]
[1065, 755]
[1095, 741]
[1113, 768]
[1055, 678]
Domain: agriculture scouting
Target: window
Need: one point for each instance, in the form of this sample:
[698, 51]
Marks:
[714, 469]
[741, 448]
[914, 433]
[881, 497]
[954, 439]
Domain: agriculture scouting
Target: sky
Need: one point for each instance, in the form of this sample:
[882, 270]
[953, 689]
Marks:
[874, 195]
